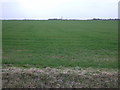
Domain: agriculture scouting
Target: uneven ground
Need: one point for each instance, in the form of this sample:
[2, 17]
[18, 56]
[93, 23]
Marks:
[43, 50]
[14, 77]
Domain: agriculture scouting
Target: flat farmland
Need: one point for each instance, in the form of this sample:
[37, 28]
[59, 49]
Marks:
[60, 43]
[59, 54]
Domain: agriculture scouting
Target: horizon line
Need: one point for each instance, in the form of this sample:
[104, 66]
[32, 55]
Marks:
[62, 19]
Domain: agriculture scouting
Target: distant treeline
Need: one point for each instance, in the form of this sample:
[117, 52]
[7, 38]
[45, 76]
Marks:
[55, 19]
[104, 19]
[85, 19]
[63, 19]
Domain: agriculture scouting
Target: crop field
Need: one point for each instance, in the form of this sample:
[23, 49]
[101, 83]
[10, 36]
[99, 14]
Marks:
[60, 44]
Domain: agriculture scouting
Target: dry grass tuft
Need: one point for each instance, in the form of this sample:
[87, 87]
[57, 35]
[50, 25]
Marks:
[14, 77]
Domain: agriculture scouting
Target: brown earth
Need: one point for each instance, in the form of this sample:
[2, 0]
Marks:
[17, 77]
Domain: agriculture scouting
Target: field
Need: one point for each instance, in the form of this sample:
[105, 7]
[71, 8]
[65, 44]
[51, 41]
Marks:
[60, 44]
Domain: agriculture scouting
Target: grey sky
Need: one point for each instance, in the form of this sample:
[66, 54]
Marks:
[44, 9]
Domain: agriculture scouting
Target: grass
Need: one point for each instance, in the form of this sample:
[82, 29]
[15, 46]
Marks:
[60, 43]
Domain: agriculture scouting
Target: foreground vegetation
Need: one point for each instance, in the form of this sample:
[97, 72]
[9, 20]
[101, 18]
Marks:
[14, 77]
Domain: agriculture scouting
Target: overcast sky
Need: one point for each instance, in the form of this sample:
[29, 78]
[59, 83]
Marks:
[44, 9]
